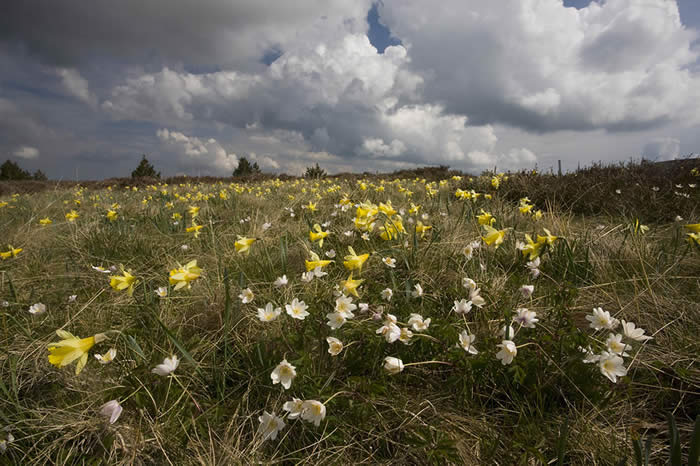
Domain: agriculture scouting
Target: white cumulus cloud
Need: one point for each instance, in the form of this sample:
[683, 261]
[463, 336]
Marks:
[27, 152]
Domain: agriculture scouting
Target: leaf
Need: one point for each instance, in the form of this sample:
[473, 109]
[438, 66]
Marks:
[135, 347]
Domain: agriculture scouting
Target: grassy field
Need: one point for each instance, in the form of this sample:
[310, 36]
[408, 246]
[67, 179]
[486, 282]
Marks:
[363, 377]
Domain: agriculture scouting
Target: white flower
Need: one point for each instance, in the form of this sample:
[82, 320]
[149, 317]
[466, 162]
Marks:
[169, 365]
[184, 247]
[266, 226]
[268, 313]
[418, 323]
[418, 291]
[617, 191]
[175, 223]
[162, 291]
[534, 266]
[99, 268]
[405, 335]
[527, 290]
[307, 277]
[389, 262]
[509, 330]
[389, 330]
[636, 334]
[387, 293]
[330, 254]
[294, 408]
[270, 425]
[318, 272]
[476, 298]
[335, 346]
[5, 304]
[313, 411]
[393, 365]
[349, 233]
[611, 366]
[655, 189]
[424, 217]
[37, 309]
[344, 307]
[107, 357]
[72, 298]
[601, 319]
[112, 409]
[246, 296]
[615, 345]
[678, 218]
[507, 353]
[281, 281]
[365, 236]
[283, 374]
[590, 357]
[335, 320]
[364, 307]
[462, 306]
[526, 318]
[469, 284]
[297, 309]
[466, 341]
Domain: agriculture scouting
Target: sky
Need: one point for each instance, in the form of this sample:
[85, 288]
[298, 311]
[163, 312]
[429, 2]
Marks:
[353, 85]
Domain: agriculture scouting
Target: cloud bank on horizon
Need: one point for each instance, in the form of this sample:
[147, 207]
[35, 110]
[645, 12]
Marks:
[472, 84]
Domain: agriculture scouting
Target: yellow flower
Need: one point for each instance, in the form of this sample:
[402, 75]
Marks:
[387, 208]
[353, 261]
[176, 216]
[71, 348]
[414, 208]
[694, 238]
[421, 229]
[12, 252]
[638, 228]
[318, 235]
[125, 281]
[195, 229]
[72, 216]
[493, 237]
[193, 211]
[311, 206]
[537, 214]
[532, 249]
[392, 228]
[182, 276]
[315, 262]
[693, 227]
[243, 244]
[549, 238]
[495, 182]
[350, 286]
[111, 215]
[525, 208]
[486, 218]
[45, 221]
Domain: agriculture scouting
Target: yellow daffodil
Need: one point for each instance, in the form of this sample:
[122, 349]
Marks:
[45, 221]
[485, 218]
[311, 206]
[194, 229]
[12, 252]
[548, 238]
[183, 276]
[72, 216]
[492, 236]
[316, 262]
[537, 214]
[392, 228]
[111, 215]
[421, 229]
[318, 234]
[495, 182]
[693, 227]
[387, 209]
[243, 244]
[694, 238]
[349, 286]
[638, 228]
[125, 281]
[193, 211]
[72, 348]
[414, 208]
[353, 261]
[531, 249]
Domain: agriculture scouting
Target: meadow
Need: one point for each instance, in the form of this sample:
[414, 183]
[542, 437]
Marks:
[444, 318]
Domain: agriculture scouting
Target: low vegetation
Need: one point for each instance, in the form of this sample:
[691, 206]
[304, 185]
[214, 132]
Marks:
[415, 318]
